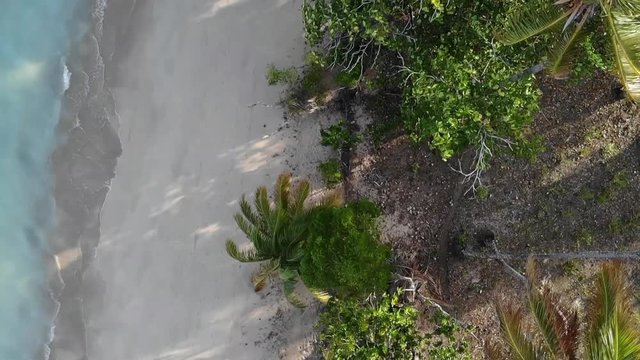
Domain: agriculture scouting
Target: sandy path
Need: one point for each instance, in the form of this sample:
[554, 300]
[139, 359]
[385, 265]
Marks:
[162, 286]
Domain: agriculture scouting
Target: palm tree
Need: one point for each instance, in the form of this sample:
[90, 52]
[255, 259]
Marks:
[277, 232]
[609, 333]
[567, 19]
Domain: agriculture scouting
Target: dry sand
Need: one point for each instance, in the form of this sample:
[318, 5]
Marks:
[161, 285]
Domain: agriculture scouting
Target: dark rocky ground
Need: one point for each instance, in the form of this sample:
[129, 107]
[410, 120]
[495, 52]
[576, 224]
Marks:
[580, 194]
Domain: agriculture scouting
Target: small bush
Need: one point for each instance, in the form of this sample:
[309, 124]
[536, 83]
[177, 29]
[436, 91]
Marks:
[343, 254]
[331, 172]
[277, 76]
[593, 54]
[446, 341]
[584, 237]
[338, 136]
[482, 192]
[311, 82]
[382, 331]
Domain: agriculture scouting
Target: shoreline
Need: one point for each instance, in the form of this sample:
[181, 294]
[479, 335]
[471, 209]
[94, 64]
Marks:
[83, 165]
[94, 319]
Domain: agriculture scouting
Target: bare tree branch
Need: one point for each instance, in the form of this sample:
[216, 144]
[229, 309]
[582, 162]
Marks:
[583, 255]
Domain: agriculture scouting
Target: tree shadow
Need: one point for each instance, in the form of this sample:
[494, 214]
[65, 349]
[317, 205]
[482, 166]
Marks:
[580, 194]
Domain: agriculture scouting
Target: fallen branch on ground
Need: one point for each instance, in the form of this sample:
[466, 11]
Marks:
[583, 255]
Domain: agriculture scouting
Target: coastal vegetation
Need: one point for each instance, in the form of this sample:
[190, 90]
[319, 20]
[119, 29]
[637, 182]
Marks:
[608, 330]
[378, 329]
[580, 26]
[444, 59]
[333, 248]
[344, 253]
[338, 136]
[277, 76]
[276, 234]
[331, 172]
[461, 91]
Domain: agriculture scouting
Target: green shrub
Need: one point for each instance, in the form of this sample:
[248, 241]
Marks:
[462, 90]
[584, 237]
[383, 330]
[331, 172]
[593, 54]
[343, 254]
[338, 136]
[277, 76]
[446, 341]
[311, 82]
[458, 83]
[482, 192]
[276, 228]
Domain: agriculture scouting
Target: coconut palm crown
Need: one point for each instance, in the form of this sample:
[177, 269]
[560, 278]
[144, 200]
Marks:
[276, 230]
[567, 19]
[610, 331]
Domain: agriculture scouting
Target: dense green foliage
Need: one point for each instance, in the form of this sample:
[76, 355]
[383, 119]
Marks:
[277, 232]
[343, 254]
[381, 330]
[592, 54]
[457, 81]
[332, 247]
[446, 341]
[331, 172]
[338, 136]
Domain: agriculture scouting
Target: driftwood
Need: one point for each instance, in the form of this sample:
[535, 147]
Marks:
[583, 255]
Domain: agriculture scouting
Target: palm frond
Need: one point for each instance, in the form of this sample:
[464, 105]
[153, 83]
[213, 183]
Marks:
[628, 76]
[532, 19]
[570, 338]
[513, 331]
[612, 333]
[558, 325]
[539, 304]
[246, 227]
[300, 196]
[626, 28]
[293, 249]
[628, 6]
[281, 191]
[332, 199]
[493, 351]
[250, 255]
[261, 276]
[289, 280]
[625, 36]
[248, 212]
[564, 52]
[263, 207]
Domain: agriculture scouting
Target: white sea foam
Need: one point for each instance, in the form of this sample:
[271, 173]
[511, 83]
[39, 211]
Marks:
[34, 38]
[66, 77]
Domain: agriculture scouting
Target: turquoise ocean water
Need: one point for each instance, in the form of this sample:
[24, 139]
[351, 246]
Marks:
[35, 36]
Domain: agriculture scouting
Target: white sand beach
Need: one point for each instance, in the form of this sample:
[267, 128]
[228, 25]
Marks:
[161, 285]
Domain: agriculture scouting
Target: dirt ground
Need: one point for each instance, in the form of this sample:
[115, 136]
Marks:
[580, 194]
